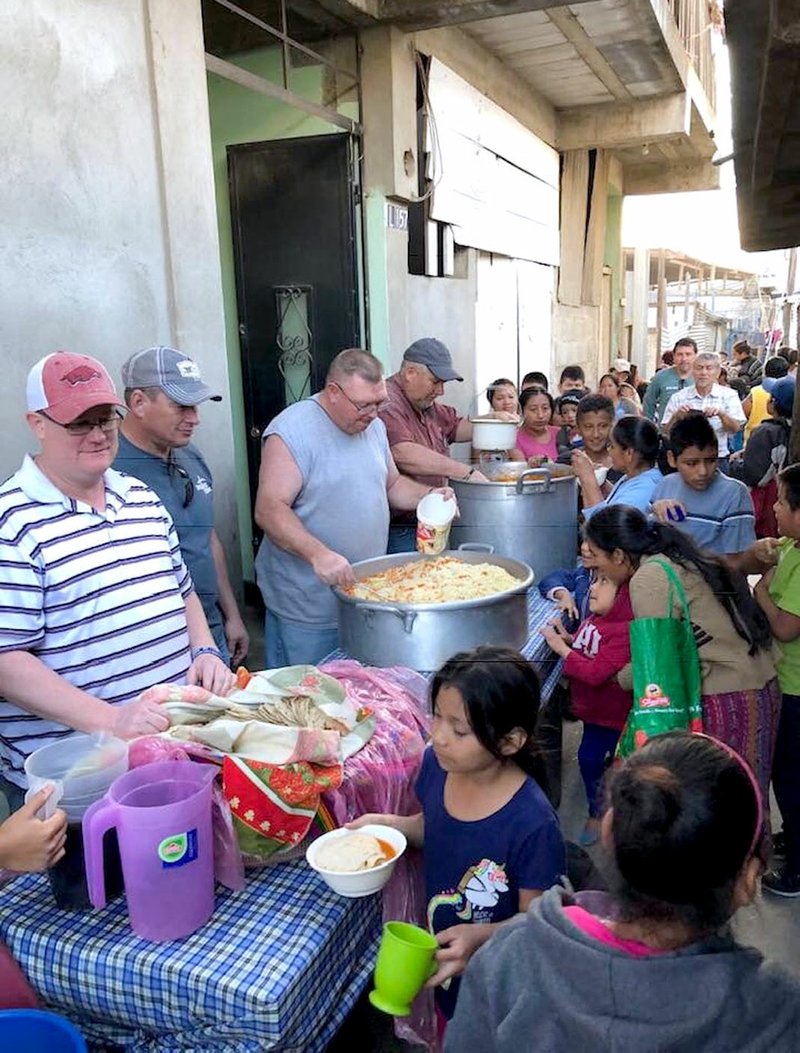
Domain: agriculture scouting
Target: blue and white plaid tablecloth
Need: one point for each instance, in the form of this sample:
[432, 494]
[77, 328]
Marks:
[278, 967]
[535, 649]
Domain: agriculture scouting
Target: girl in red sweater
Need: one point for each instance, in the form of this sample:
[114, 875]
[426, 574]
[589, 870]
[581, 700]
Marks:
[593, 657]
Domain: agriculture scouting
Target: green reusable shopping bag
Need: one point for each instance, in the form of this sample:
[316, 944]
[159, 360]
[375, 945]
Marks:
[666, 674]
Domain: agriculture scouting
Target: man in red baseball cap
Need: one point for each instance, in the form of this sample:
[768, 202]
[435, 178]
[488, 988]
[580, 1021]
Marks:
[96, 604]
[64, 386]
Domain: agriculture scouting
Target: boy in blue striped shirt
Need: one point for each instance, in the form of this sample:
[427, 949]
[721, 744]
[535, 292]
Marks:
[716, 510]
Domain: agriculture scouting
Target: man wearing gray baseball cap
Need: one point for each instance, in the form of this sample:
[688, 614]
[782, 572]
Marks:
[162, 390]
[420, 430]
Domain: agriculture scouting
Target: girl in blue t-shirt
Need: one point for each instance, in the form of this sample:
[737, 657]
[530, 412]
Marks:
[490, 838]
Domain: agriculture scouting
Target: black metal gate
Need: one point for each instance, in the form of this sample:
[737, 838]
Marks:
[293, 210]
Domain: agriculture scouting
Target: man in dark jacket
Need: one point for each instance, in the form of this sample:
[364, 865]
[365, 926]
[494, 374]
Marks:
[747, 365]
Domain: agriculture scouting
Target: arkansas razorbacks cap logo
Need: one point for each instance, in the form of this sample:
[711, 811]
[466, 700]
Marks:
[81, 375]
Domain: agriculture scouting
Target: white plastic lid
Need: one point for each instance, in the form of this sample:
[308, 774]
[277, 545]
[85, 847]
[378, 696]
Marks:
[436, 510]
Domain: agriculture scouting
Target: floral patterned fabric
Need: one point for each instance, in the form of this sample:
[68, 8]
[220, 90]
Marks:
[274, 805]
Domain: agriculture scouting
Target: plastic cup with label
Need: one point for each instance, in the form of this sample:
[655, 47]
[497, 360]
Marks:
[435, 513]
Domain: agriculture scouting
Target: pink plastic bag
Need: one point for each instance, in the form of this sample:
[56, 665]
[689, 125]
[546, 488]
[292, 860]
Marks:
[228, 865]
[380, 778]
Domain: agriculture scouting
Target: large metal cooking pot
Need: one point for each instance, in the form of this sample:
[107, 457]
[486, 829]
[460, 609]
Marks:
[424, 635]
[534, 519]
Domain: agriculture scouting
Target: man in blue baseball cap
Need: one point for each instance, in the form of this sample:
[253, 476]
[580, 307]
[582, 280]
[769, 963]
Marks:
[163, 388]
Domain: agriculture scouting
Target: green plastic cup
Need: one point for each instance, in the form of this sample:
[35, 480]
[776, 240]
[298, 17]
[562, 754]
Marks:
[405, 961]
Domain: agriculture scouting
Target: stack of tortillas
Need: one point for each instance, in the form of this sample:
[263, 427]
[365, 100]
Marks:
[346, 855]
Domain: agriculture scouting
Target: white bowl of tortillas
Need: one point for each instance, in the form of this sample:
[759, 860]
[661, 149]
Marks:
[356, 862]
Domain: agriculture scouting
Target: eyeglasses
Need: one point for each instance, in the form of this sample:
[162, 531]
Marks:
[82, 428]
[188, 485]
[363, 408]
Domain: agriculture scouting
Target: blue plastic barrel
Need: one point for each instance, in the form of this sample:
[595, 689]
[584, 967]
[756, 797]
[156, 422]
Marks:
[33, 1031]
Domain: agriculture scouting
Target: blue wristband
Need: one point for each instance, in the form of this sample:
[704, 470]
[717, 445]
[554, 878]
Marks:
[206, 650]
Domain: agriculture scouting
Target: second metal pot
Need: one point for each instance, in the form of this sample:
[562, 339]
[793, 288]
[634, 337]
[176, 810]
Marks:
[534, 519]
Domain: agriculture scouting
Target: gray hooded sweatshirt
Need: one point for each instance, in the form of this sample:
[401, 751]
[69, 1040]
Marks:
[541, 985]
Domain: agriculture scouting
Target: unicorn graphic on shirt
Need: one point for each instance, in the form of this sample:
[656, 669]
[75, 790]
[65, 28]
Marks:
[478, 891]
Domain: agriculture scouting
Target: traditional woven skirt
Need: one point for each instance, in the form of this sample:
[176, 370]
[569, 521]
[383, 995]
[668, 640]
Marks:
[748, 722]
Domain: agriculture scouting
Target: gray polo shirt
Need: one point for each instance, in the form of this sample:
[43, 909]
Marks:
[342, 502]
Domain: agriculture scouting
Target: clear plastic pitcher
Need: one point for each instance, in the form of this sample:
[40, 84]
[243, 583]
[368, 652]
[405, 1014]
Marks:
[162, 815]
[81, 768]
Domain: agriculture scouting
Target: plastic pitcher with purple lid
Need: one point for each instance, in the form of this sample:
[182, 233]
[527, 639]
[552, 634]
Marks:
[162, 815]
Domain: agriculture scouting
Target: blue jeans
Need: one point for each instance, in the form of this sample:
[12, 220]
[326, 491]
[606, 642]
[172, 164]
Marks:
[218, 632]
[293, 643]
[594, 754]
[402, 538]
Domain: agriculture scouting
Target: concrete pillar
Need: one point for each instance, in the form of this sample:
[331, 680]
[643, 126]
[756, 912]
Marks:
[389, 117]
[661, 307]
[641, 291]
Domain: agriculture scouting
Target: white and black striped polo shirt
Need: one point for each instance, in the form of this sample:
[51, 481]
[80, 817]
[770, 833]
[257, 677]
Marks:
[97, 596]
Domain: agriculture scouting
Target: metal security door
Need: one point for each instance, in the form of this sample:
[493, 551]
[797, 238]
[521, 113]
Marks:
[293, 211]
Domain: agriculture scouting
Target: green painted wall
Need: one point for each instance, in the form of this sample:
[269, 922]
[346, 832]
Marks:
[239, 115]
[377, 269]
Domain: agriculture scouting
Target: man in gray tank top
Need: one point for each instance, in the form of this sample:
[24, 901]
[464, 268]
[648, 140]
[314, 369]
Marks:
[326, 484]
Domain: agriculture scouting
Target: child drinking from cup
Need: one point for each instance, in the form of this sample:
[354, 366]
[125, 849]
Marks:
[650, 966]
[599, 649]
[490, 838]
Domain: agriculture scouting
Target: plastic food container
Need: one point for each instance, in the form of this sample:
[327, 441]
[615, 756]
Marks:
[435, 513]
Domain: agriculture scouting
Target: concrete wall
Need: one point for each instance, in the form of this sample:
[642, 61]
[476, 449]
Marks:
[109, 231]
[576, 336]
[403, 306]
